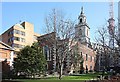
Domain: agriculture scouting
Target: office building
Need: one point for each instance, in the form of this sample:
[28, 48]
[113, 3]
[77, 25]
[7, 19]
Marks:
[20, 35]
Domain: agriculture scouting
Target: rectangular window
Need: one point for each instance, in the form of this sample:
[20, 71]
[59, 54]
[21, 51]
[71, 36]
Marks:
[22, 40]
[91, 58]
[16, 31]
[11, 39]
[22, 33]
[18, 46]
[81, 54]
[17, 39]
[21, 46]
[91, 67]
[94, 59]
[86, 57]
[87, 32]
[47, 53]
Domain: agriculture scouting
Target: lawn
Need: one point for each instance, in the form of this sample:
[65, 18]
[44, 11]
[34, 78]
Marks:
[52, 80]
[72, 78]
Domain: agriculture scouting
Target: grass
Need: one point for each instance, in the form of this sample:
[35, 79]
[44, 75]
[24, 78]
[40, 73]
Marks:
[47, 80]
[77, 78]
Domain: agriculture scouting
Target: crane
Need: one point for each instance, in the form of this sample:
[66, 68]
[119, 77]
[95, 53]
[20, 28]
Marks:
[111, 22]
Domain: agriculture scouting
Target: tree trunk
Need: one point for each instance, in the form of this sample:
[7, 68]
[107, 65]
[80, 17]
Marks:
[61, 71]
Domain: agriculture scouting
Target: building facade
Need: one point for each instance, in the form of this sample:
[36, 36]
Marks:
[6, 59]
[20, 35]
[48, 41]
[103, 57]
[6, 53]
[88, 57]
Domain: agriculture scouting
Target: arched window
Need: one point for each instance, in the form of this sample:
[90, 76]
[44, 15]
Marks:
[81, 20]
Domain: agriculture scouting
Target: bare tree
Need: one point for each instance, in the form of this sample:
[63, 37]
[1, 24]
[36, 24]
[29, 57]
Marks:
[77, 59]
[103, 41]
[64, 36]
[112, 54]
[117, 36]
[117, 46]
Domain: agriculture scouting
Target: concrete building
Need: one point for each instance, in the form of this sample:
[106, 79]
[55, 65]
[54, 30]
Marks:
[20, 35]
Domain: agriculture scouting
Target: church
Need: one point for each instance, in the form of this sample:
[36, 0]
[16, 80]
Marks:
[82, 41]
[82, 34]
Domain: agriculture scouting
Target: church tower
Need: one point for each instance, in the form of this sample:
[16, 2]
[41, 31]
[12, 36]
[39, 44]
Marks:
[82, 30]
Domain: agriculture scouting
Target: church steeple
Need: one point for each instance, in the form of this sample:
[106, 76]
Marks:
[82, 17]
[82, 29]
[82, 10]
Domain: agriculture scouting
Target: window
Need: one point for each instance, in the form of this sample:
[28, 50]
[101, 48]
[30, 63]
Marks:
[81, 54]
[16, 31]
[86, 57]
[91, 67]
[10, 32]
[21, 46]
[86, 67]
[80, 32]
[22, 33]
[18, 46]
[94, 59]
[90, 58]
[81, 20]
[22, 40]
[87, 32]
[11, 39]
[17, 38]
[47, 53]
